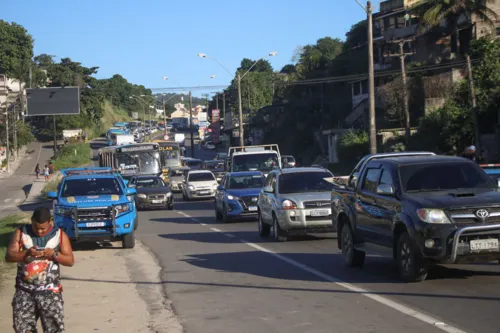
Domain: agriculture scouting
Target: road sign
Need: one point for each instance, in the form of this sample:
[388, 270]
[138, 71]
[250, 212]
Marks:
[166, 137]
[53, 101]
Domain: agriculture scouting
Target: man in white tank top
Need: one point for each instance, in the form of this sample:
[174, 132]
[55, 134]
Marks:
[39, 249]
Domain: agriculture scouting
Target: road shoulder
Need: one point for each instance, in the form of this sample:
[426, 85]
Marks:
[118, 289]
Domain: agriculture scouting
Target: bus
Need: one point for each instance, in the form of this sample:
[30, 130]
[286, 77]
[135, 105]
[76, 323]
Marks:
[132, 159]
[111, 135]
[170, 155]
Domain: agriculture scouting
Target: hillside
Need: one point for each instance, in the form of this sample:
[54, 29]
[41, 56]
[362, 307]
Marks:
[111, 114]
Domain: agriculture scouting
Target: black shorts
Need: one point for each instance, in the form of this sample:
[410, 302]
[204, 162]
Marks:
[28, 308]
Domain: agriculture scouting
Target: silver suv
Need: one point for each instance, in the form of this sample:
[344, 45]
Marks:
[295, 201]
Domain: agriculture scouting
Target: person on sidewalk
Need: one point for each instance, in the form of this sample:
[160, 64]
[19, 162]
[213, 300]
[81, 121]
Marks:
[39, 249]
[37, 170]
[51, 169]
[46, 172]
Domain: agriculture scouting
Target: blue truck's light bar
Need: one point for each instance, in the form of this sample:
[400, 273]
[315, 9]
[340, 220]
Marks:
[87, 171]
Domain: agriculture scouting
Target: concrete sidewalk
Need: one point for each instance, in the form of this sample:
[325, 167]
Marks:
[107, 290]
[14, 164]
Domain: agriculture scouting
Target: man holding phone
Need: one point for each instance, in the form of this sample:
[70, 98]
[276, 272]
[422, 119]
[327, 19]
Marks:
[39, 249]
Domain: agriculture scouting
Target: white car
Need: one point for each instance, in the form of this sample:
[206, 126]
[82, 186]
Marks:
[199, 184]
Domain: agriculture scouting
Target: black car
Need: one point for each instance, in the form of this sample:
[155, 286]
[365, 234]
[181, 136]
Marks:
[217, 167]
[152, 192]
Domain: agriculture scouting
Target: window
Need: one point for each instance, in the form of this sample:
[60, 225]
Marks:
[371, 181]
[91, 186]
[153, 182]
[255, 162]
[386, 178]
[303, 182]
[201, 177]
[243, 182]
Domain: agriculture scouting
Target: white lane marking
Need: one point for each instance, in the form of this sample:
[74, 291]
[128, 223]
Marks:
[230, 235]
[203, 224]
[183, 214]
[7, 200]
[18, 200]
[196, 220]
[380, 299]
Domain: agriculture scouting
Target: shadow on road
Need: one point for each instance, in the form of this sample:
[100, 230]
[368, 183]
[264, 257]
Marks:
[92, 246]
[178, 220]
[216, 237]
[264, 265]
[27, 189]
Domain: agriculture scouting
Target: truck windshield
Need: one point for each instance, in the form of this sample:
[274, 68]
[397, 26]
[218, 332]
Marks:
[170, 158]
[91, 186]
[191, 164]
[443, 176]
[241, 182]
[255, 162]
[201, 177]
[214, 165]
[139, 162]
[302, 182]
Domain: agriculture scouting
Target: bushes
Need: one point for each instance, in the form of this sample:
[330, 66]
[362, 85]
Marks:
[353, 146]
[73, 155]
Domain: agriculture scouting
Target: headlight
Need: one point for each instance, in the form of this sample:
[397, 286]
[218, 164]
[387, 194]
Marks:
[230, 197]
[122, 209]
[141, 195]
[436, 216]
[169, 194]
[215, 187]
[63, 211]
[288, 204]
[191, 187]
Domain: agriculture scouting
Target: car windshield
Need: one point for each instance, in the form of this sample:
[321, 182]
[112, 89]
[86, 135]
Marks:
[153, 182]
[301, 182]
[170, 157]
[443, 176]
[214, 165]
[221, 156]
[242, 182]
[192, 163]
[91, 186]
[200, 177]
[255, 162]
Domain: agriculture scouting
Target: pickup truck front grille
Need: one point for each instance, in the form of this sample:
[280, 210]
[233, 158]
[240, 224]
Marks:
[317, 204]
[468, 216]
[95, 214]
[473, 210]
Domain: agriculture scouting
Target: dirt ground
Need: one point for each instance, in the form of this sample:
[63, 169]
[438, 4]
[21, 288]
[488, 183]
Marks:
[107, 290]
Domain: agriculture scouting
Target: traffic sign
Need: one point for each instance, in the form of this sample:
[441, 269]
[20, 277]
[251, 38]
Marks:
[166, 137]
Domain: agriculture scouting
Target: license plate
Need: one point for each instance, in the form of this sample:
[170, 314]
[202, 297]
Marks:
[484, 244]
[204, 192]
[95, 224]
[320, 212]
[252, 208]
[157, 201]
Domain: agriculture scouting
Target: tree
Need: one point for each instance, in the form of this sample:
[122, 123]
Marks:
[432, 12]
[262, 66]
[288, 69]
[16, 47]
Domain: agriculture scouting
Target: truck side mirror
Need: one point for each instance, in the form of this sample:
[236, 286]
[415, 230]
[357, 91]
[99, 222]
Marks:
[385, 189]
[354, 179]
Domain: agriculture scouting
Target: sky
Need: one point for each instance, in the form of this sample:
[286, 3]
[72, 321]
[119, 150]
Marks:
[146, 40]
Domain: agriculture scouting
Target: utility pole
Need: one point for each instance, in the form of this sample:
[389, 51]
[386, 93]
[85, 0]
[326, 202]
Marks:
[7, 152]
[164, 114]
[21, 104]
[55, 136]
[217, 100]
[150, 122]
[191, 122]
[402, 55]
[224, 107]
[477, 134]
[371, 80]
[240, 110]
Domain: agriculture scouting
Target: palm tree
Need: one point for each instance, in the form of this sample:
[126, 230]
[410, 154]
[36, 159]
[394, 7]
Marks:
[432, 12]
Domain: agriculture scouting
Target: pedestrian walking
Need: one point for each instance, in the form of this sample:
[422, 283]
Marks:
[39, 249]
[37, 170]
[46, 172]
[51, 169]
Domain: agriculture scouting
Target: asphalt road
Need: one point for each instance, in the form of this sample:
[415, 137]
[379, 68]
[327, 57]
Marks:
[225, 278]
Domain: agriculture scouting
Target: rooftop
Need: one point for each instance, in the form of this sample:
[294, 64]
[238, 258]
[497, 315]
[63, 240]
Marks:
[423, 159]
[303, 169]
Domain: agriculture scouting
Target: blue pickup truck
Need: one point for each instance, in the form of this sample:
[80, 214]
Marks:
[95, 204]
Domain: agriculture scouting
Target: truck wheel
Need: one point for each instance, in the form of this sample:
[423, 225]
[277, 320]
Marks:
[279, 234]
[225, 218]
[170, 206]
[136, 223]
[128, 241]
[411, 265]
[264, 229]
[352, 257]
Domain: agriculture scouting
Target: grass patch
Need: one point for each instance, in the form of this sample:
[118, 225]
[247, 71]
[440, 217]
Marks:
[50, 187]
[73, 155]
[7, 226]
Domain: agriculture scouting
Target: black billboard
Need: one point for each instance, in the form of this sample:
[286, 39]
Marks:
[53, 101]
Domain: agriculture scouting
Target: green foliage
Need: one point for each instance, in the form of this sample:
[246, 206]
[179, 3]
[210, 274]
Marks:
[353, 145]
[16, 47]
[73, 155]
[8, 225]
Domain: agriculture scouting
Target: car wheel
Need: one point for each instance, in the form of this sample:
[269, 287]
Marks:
[411, 265]
[136, 223]
[225, 218]
[218, 215]
[170, 206]
[128, 241]
[352, 257]
[264, 229]
[279, 234]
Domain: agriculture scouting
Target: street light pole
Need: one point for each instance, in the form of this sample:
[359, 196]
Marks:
[240, 111]
[191, 122]
[7, 152]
